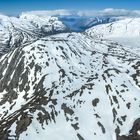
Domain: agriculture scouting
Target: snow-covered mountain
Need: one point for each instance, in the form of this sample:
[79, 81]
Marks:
[30, 26]
[74, 20]
[15, 32]
[81, 23]
[125, 31]
[74, 86]
[127, 27]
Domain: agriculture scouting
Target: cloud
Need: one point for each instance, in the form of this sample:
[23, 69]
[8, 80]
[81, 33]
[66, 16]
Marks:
[105, 12]
[111, 12]
[52, 12]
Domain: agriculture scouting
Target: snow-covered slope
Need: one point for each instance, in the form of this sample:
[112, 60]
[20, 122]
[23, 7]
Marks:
[128, 27]
[69, 86]
[125, 31]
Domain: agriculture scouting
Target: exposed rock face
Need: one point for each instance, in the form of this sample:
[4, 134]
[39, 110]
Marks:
[134, 132]
[70, 85]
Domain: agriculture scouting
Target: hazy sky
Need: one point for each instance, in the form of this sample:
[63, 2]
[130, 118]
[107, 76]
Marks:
[17, 6]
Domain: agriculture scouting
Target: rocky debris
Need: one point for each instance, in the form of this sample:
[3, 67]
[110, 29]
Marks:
[134, 133]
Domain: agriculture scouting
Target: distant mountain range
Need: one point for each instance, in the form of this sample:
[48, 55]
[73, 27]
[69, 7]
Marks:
[80, 23]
